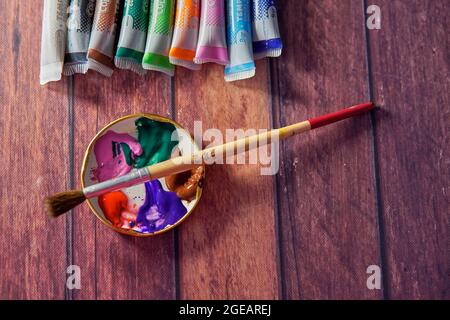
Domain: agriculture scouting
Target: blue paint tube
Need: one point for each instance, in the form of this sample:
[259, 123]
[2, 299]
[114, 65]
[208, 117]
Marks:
[239, 36]
[266, 34]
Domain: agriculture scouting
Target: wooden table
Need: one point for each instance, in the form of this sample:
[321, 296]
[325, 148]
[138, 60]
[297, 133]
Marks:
[369, 191]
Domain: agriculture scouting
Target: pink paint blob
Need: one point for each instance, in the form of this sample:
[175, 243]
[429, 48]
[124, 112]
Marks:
[110, 156]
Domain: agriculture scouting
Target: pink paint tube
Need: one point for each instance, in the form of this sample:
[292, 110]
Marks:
[212, 44]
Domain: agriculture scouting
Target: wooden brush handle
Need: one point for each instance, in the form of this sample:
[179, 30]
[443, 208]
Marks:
[188, 162]
[185, 163]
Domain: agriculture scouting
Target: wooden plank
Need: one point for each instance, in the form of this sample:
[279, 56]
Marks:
[410, 83]
[86, 102]
[34, 133]
[116, 266]
[227, 247]
[328, 221]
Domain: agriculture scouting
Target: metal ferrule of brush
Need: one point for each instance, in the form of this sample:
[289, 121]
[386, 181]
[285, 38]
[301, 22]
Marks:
[130, 179]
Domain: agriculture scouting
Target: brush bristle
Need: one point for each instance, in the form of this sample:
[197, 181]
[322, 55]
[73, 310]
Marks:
[62, 202]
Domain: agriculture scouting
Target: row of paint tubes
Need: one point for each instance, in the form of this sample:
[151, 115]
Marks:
[79, 35]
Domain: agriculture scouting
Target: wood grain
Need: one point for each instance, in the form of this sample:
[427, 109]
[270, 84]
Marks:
[328, 221]
[34, 135]
[227, 247]
[362, 192]
[116, 266]
[410, 64]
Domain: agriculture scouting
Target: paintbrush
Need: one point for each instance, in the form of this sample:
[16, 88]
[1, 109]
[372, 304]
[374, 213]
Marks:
[62, 202]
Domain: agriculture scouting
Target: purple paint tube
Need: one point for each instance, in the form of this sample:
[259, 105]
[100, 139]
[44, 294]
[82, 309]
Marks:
[266, 34]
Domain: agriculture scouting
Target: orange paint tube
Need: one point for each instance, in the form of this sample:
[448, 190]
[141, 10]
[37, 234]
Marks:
[185, 35]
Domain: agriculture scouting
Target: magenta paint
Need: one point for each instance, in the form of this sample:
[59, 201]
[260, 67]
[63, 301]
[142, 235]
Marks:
[111, 161]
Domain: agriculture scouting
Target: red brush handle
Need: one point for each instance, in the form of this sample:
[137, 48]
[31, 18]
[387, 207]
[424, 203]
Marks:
[340, 115]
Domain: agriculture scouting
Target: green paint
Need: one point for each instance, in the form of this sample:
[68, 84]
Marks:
[114, 148]
[138, 10]
[158, 60]
[133, 34]
[155, 137]
[159, 36]
[129, 53]
[127, 153]
[164, 14]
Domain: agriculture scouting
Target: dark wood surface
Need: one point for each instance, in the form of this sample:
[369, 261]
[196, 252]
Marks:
[228, 248]
[410, 82]
[326, 192]
[370, 191]
[33, 126]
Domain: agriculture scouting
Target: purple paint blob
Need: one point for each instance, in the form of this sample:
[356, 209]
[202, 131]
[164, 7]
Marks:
[160, 209]
[111, 158]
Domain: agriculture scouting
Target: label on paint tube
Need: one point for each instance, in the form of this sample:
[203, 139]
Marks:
[133, 34]
[79, 24]
[266, 34]
[239, 35]
[159, 37]
[103, 36]
[53, 40]
[185, 34]
[212, 45]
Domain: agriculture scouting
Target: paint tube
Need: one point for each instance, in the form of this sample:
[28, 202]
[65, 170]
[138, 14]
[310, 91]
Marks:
[79, 24]
[266, 35]
[53, 40]
[212, 44]
[239, 35]
[159, 37]
[103, 36]
[185, 34]
[133, 33]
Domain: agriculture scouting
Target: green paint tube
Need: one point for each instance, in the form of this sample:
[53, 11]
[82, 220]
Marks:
[159, 37]
[133, 33]
[53, 41]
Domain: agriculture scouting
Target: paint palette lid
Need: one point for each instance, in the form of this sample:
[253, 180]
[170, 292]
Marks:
[130, 143]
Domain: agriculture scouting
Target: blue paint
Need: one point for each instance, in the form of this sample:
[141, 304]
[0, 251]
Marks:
[239, 37]
[264, 45]
[266, 34]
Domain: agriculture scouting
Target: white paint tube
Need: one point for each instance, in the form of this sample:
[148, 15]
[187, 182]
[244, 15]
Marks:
[53, 40]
